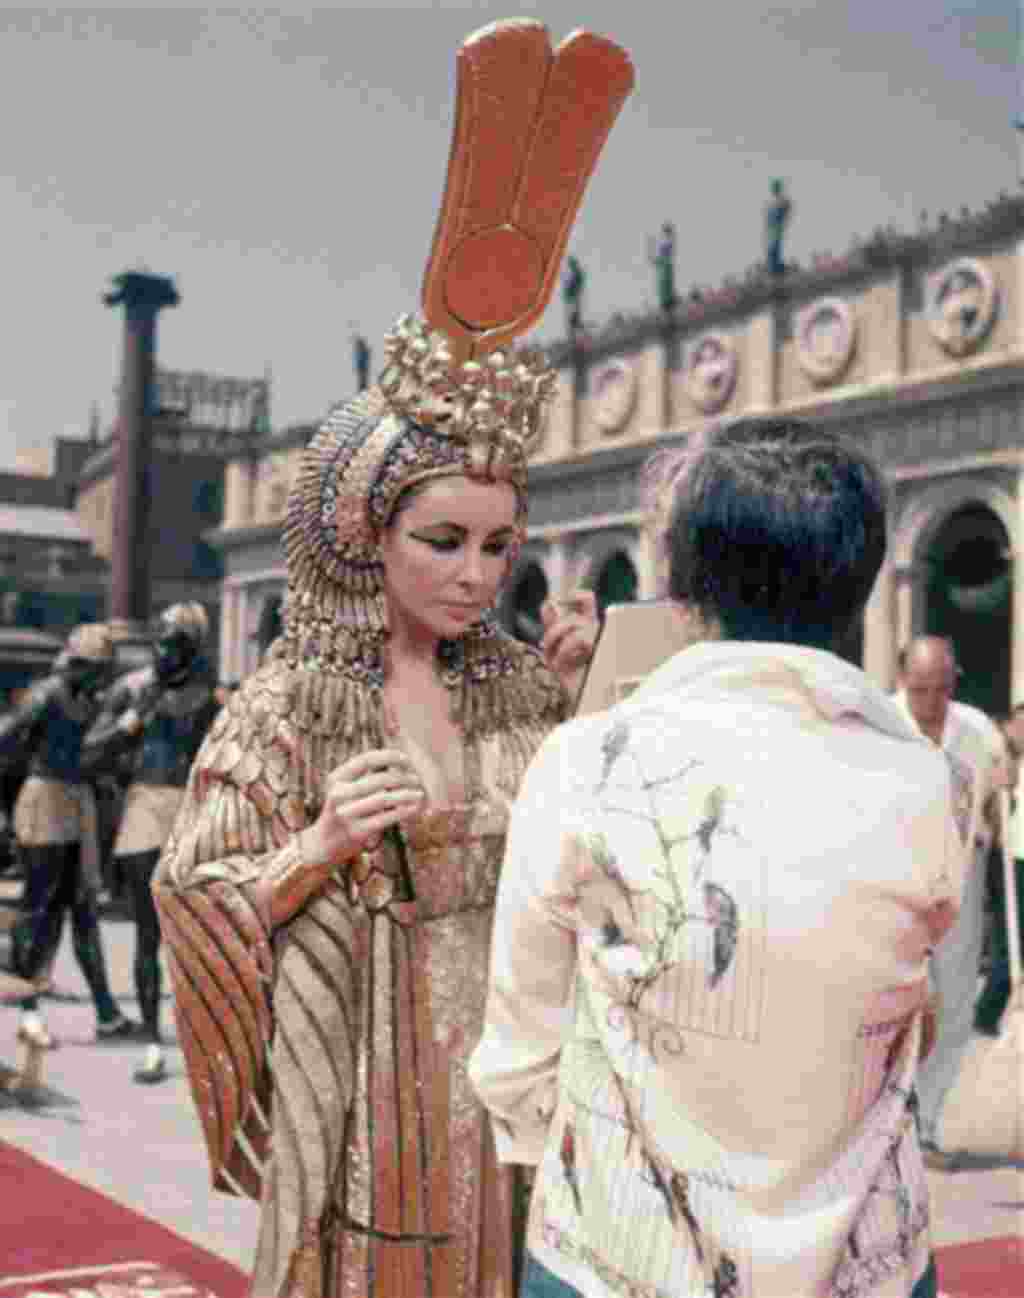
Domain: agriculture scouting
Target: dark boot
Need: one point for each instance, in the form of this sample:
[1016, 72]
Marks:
[138, 872]
[111, 1025]
[37, 932]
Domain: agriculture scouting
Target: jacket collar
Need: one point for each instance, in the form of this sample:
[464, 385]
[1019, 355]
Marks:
[834, 687]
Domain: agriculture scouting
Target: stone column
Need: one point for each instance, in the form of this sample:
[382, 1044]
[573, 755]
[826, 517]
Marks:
[880, 630]
[1017, 601]
[762, 362]
[142, 296]
[907, 579]
[644, 553]
[228, 633]
[578, 378]
[556, 569]
[671, 365]
[240, 480]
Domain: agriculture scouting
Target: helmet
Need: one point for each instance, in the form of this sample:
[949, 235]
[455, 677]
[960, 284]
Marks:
[181, 630]
[187, 619]
[87, 659]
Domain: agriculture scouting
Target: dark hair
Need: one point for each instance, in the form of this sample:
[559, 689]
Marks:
[777, 531]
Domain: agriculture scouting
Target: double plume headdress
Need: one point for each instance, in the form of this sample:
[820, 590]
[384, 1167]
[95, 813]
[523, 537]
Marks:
[455, 396]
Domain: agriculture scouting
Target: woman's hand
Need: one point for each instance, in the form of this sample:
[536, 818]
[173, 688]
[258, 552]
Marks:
[364, 796]
[570, 633]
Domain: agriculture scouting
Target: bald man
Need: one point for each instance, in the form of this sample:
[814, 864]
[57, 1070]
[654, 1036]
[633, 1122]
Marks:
[975, 750]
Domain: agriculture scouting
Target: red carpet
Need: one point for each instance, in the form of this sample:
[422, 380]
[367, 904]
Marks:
[988, 1268]
[59, 1236]
[60, 1239]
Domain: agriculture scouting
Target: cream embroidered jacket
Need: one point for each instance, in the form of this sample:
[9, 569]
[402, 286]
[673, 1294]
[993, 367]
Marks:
[708, 968]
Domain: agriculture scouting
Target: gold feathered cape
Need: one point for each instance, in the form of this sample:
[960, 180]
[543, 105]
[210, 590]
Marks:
[327, 1059]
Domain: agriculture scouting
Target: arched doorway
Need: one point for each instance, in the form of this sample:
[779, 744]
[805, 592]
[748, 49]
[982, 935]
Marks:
[968, 597]
[616, 582]
[520, 609]
[270, 625]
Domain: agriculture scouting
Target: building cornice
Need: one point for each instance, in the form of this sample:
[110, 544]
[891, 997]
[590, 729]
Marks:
[885, 252]
[226, 539]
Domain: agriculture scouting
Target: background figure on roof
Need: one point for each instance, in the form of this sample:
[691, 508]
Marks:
[777, 212]
[361, 359]
[662, 256]
[574, 281]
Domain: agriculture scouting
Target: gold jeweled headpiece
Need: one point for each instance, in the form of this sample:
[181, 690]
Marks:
[455, 397]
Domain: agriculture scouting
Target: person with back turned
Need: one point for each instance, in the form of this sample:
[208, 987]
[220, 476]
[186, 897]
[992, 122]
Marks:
[709, 971]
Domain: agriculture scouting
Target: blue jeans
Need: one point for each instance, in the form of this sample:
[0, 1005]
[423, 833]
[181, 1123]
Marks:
[538, 1282]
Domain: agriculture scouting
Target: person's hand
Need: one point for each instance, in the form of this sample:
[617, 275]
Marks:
[363, 797]
[130, 723]
[570, 632]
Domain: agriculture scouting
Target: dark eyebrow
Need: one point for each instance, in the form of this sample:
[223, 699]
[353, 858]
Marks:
[464, 531]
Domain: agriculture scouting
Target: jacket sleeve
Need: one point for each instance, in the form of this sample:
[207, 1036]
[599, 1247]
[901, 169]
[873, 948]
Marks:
[18, 729]
[106, 742]
[533, 964]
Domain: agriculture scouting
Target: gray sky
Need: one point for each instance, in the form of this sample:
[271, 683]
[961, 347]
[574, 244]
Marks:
[286, 168]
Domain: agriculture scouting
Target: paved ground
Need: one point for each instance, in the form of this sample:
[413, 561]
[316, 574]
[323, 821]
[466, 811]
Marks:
[142, 1146]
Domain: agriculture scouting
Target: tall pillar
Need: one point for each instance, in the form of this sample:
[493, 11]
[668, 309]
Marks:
[579, 378]
[880, 630]
[1017, 602]
[142, 295]
[556, 569]
[908, 620]
[671, 365]
[228, 633]
[645, 560]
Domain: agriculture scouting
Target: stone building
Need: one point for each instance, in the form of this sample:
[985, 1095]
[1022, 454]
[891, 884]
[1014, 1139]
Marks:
[57, 528]
[911, 344]
[50, 576]
[187, 501]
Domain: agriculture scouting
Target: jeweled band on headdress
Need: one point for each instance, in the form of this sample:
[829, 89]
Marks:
[455, 397]
[494, 406]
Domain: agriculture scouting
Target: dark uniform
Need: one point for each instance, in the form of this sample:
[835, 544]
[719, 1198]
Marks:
[55, 824]
[154, 718]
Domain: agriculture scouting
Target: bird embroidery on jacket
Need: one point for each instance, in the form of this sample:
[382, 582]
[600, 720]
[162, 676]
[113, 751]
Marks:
[723, 917]
[727, 1279]
[679, 1187]
[567, 1153]
[712, 823]
[613, 744]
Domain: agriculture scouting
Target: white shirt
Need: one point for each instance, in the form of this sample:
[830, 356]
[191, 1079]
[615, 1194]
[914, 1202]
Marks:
[976, 743]
[710, 956]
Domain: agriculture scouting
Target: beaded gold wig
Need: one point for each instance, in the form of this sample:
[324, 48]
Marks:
[455, 396]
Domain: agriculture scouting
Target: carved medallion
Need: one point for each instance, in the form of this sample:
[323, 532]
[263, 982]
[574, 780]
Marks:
[962, 301]
[614, 396]
[711, 366]
[826, 335]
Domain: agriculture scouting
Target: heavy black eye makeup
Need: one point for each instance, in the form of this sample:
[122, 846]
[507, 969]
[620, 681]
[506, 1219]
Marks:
[451, 540]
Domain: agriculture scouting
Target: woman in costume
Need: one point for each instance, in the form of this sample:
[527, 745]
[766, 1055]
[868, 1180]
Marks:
[326, 894]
